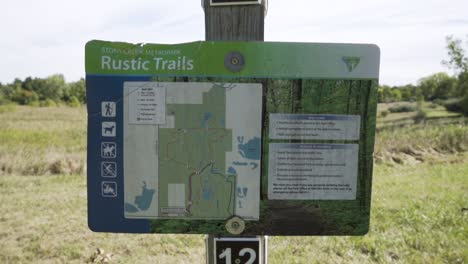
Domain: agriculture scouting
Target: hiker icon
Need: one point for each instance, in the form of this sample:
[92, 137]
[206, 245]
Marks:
[108, 149]
[109, 189]
[108, 109]
[108, 169]
[108, 129]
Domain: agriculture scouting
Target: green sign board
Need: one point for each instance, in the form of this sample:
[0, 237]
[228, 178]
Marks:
[231, 138]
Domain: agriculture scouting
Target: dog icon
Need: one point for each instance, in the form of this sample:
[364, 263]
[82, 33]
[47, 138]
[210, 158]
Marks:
[108, 129]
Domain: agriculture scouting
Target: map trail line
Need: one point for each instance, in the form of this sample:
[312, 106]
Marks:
[189, 205]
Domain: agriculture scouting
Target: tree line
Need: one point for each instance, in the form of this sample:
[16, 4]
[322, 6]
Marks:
[438, 86]
[49, 91]
[441, 88]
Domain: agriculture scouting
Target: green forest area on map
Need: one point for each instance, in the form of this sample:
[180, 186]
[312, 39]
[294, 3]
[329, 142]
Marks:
[193, 153]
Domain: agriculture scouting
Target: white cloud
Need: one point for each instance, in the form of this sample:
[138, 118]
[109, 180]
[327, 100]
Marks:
[40, 38]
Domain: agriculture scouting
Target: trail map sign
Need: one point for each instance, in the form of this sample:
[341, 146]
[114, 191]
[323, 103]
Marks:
[231, 138]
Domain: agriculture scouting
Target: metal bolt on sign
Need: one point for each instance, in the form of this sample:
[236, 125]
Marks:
[234, 61]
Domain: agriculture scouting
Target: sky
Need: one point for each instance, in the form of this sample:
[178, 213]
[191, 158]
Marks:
[41, 38]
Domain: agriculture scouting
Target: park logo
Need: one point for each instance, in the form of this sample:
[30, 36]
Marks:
[351, 62]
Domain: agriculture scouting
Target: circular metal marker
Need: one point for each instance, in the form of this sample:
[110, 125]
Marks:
[235, 225]
[234, 61]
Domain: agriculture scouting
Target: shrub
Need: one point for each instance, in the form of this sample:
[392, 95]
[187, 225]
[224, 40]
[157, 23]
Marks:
[454, 105]
[74, 102]
[420, 116]
[384, 113]
[3, 98]
[48, 103]
[34, 103]
[402, 108]
[464, 105]
[24, 97]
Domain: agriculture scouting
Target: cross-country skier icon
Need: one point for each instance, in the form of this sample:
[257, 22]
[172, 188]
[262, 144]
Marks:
[108, 169]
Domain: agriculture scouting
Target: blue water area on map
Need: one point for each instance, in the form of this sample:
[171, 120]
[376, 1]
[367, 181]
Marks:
[207, 193]
[130, 208]
[207, 117]
[231, 170]
[237, 163]
[253, 165]
[142, 201]
[251, 149]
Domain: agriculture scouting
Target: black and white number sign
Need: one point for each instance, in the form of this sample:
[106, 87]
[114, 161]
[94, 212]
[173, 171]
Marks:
[234, 2]
[237, 251]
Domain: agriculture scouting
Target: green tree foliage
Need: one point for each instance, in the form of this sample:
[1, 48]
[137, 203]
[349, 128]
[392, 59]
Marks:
[387, 94]
[458, 61]
[396, 94]
[407, 92]
[54, 88]
[437, 86]
[457, 57]
[48, 91]
[24, 97]
[76, 90]
[3, 99]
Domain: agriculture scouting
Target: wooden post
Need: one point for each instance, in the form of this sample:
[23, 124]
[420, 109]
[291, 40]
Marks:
[234, 23]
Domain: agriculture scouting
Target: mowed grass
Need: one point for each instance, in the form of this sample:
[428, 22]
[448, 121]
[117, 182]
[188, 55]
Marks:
[44, 220]
[419, 212]
[418, 216]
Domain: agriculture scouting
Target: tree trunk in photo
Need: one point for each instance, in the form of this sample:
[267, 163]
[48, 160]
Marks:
[296, 96]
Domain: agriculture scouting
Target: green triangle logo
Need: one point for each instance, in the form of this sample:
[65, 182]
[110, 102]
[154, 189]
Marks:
[351, 62]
